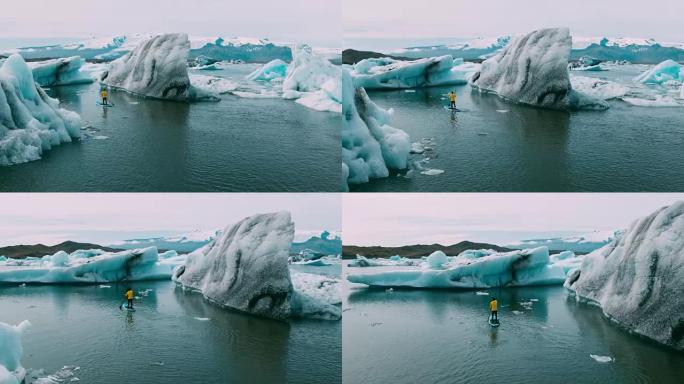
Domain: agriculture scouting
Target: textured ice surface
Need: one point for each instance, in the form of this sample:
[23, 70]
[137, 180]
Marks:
[30, 121]
[598, 88]
[668, 70]
[11, 371]
[91, 266]
[246, 269]
[369, 144]
[517, 268]
[637, 279]
[63, 71]
[380, 73]
[362, 261]
[156, 68]
[213, 84]
[313, 80]
[533, 70]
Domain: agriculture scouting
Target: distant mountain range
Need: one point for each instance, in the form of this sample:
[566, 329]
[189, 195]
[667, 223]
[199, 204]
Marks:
[415, 251]
[40, 250]
[352, 56]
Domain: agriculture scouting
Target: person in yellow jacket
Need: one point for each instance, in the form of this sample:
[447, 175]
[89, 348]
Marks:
[104, 94]
[452, 99]
[493, 306]
[129, 296]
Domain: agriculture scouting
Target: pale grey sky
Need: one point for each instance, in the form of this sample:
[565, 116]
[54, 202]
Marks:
[659, 19]
[49, 218]
[292, 20]
[447, 218]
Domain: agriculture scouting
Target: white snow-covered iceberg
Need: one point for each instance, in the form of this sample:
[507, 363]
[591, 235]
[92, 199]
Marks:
[516, 268]
[156, 68]
[666, 71]
[11, 350]
[213, 84]
[91, 266]
[533, 70]
[275, 69]
[387, 73]
[313, 81]
[63, 71]
[246, 269]
[30, 121]
[369, 144]
[638, 278]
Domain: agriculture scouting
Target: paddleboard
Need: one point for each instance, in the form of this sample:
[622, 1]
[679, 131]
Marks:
[494, 323]
[124, 306]
[453, 109]
[104, 105]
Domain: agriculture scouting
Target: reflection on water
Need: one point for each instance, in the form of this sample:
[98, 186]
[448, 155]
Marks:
[152, 145]
[163, 341]
[441, 336]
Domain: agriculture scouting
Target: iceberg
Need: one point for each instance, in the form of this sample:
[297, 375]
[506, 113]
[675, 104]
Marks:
[63, 71]
[516, 268]
[397, 261]
[666, 71]
[387, 73]
[11, 371]
[637, 279]
[598, 88]
[246, 269]
[91, 267]
[369, 145]
[30, 121]
[313, 81]
[212, 84]
[156, 68]
[324, 244]
[275, 69]
[533, 70]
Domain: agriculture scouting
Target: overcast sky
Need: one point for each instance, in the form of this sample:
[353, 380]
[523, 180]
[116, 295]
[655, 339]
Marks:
[291, 20]
[447, 218]
[660, 19]
[32, 218]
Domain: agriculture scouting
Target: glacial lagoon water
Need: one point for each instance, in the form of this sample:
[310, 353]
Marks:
[498, 146]
[437, 336]
[237, 144]
[173, 337]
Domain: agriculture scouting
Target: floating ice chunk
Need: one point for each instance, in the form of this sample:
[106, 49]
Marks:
[602, 89]
[156, 68]
[63, 71]
[60, 268]
[637, 278]
[658, 101]
[369, 144]
[202, 318]
[601, 359]
[436, 260]
[417, 148]
[666, 71]
[517, 312]
[105, 286]
[314, 78]
[362, 261]
[262, 94]
[517, 268]
[246, 269]
[30, 121]
[275, 69]
[479, 293]
[324, 288]
[213, 84]
[533, 70]
[11, 371]
[502, 110]
[379, 73]
[432, 172]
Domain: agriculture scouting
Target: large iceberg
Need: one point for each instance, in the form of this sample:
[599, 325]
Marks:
[246, 269]
[313, 81]
[11, 371]
[533, 70]
[387, 73]
[275, 69]
[91, 266]
[637, 279]
[667, 71]
[516, 268]
[30, 121]
[369, 144]
[63, 71]
[156, 68]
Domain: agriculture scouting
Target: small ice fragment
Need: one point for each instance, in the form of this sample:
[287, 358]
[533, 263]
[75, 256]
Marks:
[158, 364]
[534, 299]
[100, 137]
[517, 312]
[202, 318]
[417, 148]
[482, 293]
[502, 110]
[602, 359]
[432, 172]
[23, 285]
[410, 90]
[390, 290]
[105, 286]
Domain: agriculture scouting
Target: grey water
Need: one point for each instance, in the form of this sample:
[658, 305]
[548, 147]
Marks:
[163, 342]
[436, 336]
[493, 145]
[146, 145]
